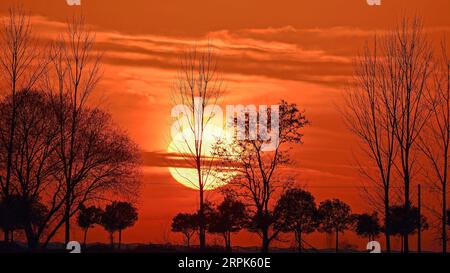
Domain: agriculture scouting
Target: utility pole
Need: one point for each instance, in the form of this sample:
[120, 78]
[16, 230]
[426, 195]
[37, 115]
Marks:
[419, 224]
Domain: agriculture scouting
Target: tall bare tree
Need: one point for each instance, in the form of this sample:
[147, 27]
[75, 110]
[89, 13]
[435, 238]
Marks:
[34, 163]
[389, 112]
[106, 163]
[367, 115]
[256, 173]
[435, 141]
[19, 69]
[408, 58]
[197, 89]
[75, 67]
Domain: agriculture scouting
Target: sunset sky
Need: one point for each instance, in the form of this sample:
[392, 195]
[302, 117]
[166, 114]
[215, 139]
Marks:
[297, 50]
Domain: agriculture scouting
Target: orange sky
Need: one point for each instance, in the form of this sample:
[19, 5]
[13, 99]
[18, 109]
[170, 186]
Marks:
[298, 50]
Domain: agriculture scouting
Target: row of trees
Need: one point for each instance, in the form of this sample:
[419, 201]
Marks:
[116, 217]
[57, 151]
[296, 212]
[399, 108]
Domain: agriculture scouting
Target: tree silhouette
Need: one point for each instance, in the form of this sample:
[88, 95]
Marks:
[367, 115]
[296, 212]
[9, 216]
[197, 89]
[87, 218]
[435, 141]
[229, 217]
[389, 110]
[128, 217]
[367, 226]
[448, 217]
[187, 224]
[34, 164]
[22, 213]
[334, 216]
[109, 223]
[117, 217]
[54, 149]
[74, 73]
[255, 170]
[448, 220]
[110, 160]
[95, 156]
[408, 58]
[405, 221]
[21, 66]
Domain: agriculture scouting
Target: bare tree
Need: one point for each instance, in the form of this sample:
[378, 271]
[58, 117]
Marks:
[56, 151]
[255, 173]
[388, 109]
[33, 159]
[434, 142]
[197, 90]
[408, 58]
[367, 115]
[19, 69]
[106, 159]
[75, 67]
[106, 163]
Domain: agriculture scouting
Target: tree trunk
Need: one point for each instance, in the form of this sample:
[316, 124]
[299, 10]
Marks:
[6, 233]
[10, 150]
[67, 217]
[69, 180]
[419, 225]
[299, 241]
[202, 231]
[111, 237]
[444, 219]
[228, 242]
[407, 205]
[85, 237]
[225, 240]
[120, 238]
[337, 240]
[387, 217]
[265, 240]
[32, 241]
[402, 244]
[405, 243]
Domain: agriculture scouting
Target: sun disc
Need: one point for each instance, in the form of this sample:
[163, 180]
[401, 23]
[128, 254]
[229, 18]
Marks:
[182, 147]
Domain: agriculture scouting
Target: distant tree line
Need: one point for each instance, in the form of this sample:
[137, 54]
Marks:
[295, 212]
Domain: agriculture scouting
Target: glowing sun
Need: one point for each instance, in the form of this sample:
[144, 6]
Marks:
[182, 146]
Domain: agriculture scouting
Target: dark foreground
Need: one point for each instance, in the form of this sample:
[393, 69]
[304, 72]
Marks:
[221, 262]
[154, 248]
